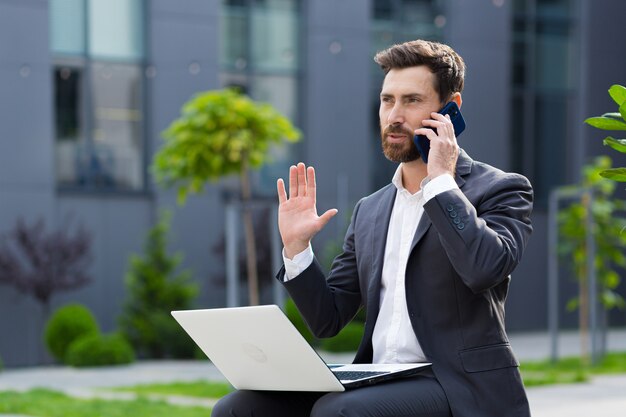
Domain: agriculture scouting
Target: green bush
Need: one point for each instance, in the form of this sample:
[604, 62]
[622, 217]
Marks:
[154, 289]
[67, 324]
[296, 319]
[99, 350]
[347, 340]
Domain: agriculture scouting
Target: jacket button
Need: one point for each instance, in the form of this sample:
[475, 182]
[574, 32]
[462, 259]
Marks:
[453, 214]
[460, 226]
[450, 207]
[456, 220]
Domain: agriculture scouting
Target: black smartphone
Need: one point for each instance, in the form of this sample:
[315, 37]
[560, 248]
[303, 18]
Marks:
[451, 109]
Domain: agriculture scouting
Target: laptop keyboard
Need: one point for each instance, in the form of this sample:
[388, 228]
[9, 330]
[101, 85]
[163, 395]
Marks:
[354, 375]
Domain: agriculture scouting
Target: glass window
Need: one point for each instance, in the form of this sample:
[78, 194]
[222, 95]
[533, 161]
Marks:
[116, 29]
[274, 37]
[98, 97]
[543, 71]
[117, 123]
[67, 26]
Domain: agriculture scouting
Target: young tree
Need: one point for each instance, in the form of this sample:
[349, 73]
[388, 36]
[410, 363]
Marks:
[220, 133]
[610, 241]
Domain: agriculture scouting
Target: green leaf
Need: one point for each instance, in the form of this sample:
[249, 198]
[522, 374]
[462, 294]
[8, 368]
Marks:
[615, 174]
[622, 111]
[618, 94]
[617, 144]
[606, 123]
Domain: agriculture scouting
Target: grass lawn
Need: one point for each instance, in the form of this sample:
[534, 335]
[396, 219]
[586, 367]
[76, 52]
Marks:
[569, 370]
[46, 403]
[202, 389]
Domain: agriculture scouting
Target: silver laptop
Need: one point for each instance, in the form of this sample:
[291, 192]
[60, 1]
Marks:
[258, 348]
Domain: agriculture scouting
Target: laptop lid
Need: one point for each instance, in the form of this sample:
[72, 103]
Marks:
[258, 348]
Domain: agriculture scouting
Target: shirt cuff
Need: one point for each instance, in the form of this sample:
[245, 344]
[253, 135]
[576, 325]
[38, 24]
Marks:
[300, 262]
[433, 187]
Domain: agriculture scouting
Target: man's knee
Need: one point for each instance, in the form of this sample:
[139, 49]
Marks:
[223, 408]
[336, 405]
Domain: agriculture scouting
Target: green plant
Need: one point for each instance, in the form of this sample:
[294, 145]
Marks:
[347, 340]
[613, 121]
[296, 319]
[154, 288]
[609, 237]
[219, 133]
[46, 403]
[66, 325]
[99, 350]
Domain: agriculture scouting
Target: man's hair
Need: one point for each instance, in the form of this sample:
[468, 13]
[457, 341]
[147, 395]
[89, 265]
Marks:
[447, 66]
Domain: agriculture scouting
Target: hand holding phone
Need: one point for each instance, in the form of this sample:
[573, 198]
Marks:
[451, 109]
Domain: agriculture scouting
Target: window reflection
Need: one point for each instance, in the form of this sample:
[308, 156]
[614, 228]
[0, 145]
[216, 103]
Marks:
[98, 81]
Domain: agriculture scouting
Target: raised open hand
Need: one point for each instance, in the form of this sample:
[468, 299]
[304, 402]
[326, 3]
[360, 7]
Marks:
[298, 221]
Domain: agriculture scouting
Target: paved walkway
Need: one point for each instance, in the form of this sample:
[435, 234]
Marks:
[604, 396]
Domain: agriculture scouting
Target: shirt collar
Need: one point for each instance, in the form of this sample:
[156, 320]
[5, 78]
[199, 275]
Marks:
[397, 182]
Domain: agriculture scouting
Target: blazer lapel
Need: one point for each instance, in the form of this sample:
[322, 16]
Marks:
[382, 217]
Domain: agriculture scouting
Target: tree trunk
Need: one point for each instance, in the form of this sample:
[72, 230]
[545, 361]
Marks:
[251, 262]
[583, 317]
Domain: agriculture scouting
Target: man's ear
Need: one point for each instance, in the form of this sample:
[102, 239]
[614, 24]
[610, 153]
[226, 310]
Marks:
[456, 97]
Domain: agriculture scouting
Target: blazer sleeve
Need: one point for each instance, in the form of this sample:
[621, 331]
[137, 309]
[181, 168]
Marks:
[484, 242]
[327, 305]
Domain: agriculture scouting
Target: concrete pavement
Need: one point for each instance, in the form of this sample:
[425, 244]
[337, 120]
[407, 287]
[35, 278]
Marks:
[603, 396]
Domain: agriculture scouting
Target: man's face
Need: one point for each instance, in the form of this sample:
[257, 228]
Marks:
[407, 97]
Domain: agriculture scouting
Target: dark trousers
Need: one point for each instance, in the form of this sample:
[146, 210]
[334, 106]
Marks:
[418, 396]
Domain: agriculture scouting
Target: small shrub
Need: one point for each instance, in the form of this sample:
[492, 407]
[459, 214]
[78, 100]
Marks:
[154, 288]
[66, 325]
[99, 350]
[347, 340]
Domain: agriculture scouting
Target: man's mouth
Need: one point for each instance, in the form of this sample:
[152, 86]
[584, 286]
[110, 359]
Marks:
[396, 137]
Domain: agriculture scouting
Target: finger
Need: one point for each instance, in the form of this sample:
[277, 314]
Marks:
[301, 180]
[280, 188]
[325, 218]
[429, 133]
[433, 123]
[310, 176]
[293, 181]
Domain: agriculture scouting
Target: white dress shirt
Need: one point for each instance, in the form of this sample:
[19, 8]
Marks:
[393, 340]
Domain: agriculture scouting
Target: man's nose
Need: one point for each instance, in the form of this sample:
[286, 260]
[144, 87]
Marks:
[396, 115]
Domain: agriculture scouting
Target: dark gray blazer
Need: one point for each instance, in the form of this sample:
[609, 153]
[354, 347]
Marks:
[466, 246]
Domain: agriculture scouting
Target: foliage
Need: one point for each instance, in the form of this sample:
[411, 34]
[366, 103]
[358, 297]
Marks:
[570, 370]
[613, 121]
[201, 389]
[347, 340]
[219, 133]
[608, 232]
[154, 289]
[99, 350]
[46, 403]
[296, 319]
[42, 264]
[66, 325]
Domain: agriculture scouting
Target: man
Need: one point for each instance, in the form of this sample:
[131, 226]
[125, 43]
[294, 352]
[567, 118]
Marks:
[428, 257]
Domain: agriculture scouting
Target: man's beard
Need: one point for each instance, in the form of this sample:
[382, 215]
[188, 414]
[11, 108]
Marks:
[398, 152]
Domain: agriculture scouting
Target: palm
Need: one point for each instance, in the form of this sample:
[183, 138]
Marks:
[298, 221]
